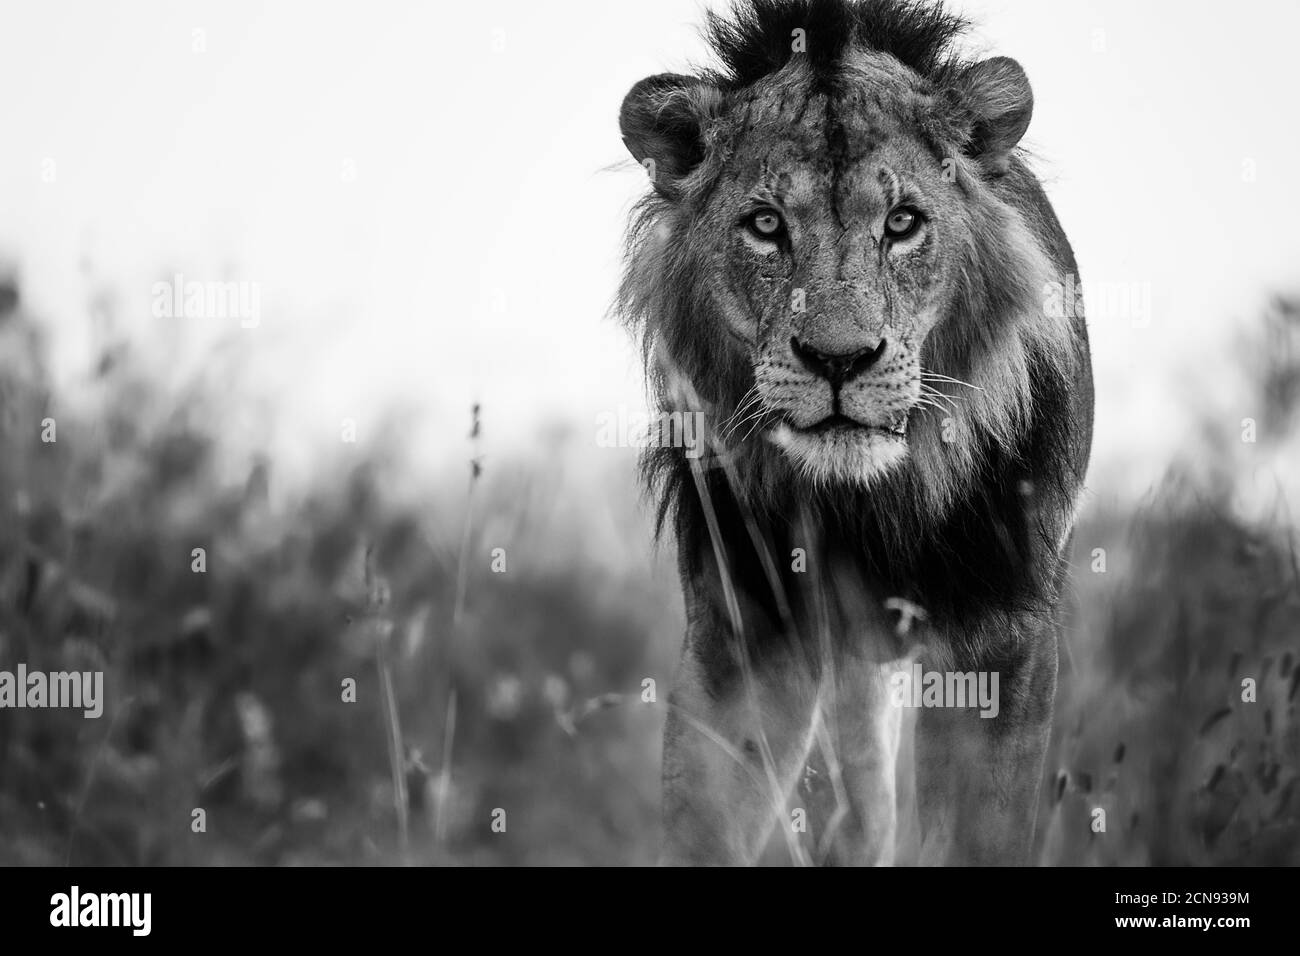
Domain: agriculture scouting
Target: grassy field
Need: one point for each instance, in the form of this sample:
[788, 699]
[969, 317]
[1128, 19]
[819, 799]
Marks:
[481, 690]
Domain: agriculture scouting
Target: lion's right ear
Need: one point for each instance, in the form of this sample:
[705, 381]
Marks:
[662, 121]
[998, 104]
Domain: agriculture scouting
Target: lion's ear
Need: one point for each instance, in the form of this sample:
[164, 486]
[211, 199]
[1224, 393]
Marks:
[662, 121]
[998, 103]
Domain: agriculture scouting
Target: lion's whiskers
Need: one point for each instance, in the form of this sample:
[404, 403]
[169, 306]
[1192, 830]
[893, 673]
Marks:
[936, 377]
[758, 420]
[938, 399]
[741, 414]
[925, 405]
[737, 422]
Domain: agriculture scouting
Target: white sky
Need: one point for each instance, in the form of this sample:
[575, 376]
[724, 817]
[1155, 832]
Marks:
[475, 249]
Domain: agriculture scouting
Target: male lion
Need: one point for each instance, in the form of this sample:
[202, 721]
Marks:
[846, 265]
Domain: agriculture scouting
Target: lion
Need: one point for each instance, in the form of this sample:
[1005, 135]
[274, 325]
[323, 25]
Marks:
[846, 264]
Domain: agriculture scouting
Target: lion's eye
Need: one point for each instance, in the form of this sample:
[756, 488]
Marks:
[766, 224]
[902, 222]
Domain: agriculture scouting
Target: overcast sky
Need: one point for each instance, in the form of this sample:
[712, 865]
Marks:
[422, 191]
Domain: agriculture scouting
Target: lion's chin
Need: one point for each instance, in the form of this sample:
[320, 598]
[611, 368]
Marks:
[847, 456]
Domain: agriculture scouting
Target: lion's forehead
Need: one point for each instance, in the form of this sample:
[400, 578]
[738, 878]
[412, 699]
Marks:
[799, 141]
[801, 122]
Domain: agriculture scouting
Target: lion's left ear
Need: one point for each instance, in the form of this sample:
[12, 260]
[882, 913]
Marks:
[998, 103]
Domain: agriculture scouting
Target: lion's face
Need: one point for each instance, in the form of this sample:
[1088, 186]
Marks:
[828, 242]
[831, 259]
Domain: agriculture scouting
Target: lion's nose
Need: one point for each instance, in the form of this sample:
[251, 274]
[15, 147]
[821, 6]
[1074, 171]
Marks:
[837, 369]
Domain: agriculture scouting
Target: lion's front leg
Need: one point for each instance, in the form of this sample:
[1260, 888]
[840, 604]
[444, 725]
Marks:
[855, 758]
[735, 741]
[978, 778]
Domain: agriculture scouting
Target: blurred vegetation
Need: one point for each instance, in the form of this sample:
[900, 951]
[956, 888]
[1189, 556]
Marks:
[1200, 593]
[224, 688]
[522, 691]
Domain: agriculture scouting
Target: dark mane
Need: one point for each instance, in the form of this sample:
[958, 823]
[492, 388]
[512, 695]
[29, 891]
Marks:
[758, 37]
